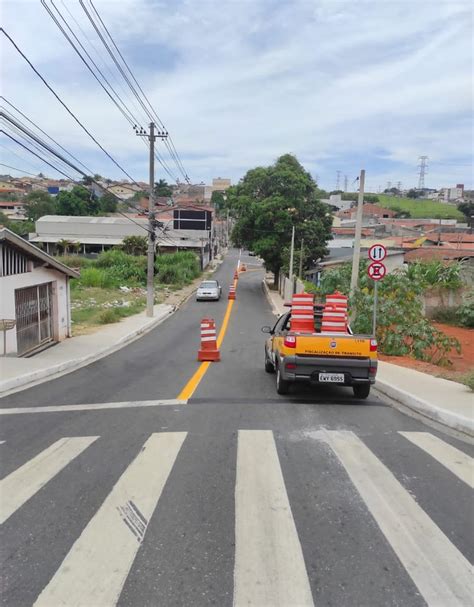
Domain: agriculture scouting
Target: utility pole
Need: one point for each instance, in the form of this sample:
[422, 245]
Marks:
[292, 251]
[150, 276]
[345, 183]
[358, 232]
[301, 260]
[338, 180]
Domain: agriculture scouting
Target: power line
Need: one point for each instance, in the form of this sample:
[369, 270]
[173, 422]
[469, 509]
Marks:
[153, 115]
[15, 169]
[44, 133]
[66, 107]
[114, 96]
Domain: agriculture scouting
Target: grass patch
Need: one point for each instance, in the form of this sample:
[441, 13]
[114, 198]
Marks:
[420, 208]
[177, 269]
[468, 380]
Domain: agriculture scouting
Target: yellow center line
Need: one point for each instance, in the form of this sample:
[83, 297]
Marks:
[195, 380]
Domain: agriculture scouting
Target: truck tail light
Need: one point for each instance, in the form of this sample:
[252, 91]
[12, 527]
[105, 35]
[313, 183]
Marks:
[373, 345]
[373, 371]
[290, 341]
[290, 366]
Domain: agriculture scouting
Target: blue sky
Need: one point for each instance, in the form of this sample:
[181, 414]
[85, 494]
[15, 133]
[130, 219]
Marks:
[341, 84]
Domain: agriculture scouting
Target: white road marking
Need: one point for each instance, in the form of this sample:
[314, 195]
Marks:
[439, 570]
[457, 462]
[93, 407]
[269, 563]
[96, 567]
[19, 486]
[2, 442]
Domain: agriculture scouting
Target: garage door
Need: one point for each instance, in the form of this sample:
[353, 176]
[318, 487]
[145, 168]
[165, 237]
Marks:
[34, 317]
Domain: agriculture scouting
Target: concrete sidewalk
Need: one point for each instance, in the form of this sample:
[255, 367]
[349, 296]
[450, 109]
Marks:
[76, 352]
[441, 400]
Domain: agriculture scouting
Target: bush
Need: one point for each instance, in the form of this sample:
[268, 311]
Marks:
[177, 268]
[465, 314]
[123, 268]
[468, 380]
[93, 277]
[74, 261]
[107, 317]
[402, 330]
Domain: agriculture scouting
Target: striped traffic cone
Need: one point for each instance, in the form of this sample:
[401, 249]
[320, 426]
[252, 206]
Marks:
[302, 313]
[208, 350]
[334, 319]
[243, 268]
[231, 292]
[236, 275]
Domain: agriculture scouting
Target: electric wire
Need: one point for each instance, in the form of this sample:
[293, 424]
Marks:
[16, 169]
[66, 107]
[151, 113]
[120, 104]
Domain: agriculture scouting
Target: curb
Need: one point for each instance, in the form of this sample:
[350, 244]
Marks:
[41, 375]
[266, 290]
[426, 409]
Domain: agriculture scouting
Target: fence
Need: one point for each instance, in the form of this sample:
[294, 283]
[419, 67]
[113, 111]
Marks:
[287, 287]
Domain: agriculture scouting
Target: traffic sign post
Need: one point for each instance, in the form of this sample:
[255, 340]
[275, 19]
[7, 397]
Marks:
[376, 272]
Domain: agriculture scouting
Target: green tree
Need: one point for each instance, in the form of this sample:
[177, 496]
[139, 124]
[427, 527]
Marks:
[108, 203]
[79, 201]
[87, 180]
[218, 200]
[39, 203]
[135, 245]
[162, 188]
[413, 193]
[467, 209]
[268, 202]
[64, 245]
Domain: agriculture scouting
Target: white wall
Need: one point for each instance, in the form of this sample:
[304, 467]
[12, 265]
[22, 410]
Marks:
[61, 320]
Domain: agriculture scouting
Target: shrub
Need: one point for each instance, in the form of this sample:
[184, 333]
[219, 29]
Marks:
[109, 316]
[123, 268]
[93, 277]
[177, 268]
[402, 330]
[465, 314]
[74, 261]
[468, 380]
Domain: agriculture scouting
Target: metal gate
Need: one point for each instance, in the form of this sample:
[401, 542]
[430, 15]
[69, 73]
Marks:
[34, 317]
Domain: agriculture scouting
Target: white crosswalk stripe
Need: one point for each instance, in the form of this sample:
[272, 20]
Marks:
[19, 486]
[453, 459]
[269, 566]
[94, 571]
[439, 570]
[269, 563]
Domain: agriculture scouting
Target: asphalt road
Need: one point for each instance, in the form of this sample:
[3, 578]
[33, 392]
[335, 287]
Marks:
[239, 497]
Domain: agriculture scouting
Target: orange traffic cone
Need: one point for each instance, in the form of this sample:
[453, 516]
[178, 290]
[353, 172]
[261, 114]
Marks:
[231, 292]
[243, 268]
[208, 350]
[236, 275]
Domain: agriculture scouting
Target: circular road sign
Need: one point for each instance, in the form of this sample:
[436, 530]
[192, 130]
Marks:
[377, 252]
[376, 270]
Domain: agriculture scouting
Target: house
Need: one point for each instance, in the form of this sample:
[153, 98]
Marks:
[35, 294]
[369, 211]
[12, 209]
[124, 190]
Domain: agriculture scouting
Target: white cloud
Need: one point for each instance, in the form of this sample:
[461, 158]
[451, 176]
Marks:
[339, 83]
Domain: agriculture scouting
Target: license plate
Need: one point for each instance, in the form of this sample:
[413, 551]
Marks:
[331, 378]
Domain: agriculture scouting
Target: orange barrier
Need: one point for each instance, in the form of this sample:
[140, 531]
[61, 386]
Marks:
[337, 299]
[208, 350]
[302, 312]
[231, 292]
[334, 319]
[236, 275]
[243, 268]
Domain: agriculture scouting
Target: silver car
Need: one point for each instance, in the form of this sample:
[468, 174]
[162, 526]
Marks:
[210, 290]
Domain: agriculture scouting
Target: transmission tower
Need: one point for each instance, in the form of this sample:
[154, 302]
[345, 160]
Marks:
[338, 180]
[346, 180]
[423, 166]
[399, 186]
[389, 185]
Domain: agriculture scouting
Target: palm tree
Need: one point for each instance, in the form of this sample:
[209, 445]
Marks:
[64, 245]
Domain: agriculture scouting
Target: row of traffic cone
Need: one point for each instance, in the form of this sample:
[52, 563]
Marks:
[209, 350]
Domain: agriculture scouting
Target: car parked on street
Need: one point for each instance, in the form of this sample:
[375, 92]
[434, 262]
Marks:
[209, 290]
